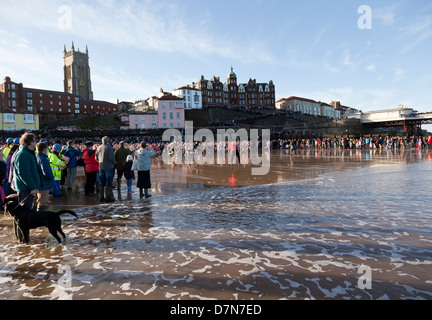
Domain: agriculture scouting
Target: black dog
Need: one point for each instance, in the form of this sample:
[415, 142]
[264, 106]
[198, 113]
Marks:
[27, 219]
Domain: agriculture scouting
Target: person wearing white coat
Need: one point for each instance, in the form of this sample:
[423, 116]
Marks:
[144, 163]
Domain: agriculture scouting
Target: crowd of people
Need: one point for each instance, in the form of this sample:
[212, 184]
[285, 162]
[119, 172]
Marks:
[35, 168]
[397, 142]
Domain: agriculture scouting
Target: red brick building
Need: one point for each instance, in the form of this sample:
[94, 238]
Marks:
[230, 93]
[53, 107]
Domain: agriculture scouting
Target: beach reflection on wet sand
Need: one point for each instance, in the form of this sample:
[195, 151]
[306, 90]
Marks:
[216, 232]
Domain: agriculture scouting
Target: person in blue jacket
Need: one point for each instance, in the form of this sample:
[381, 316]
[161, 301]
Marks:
[47, 176]
[72, 167]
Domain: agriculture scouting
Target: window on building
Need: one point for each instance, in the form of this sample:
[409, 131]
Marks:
[9, 117]
[28, 118]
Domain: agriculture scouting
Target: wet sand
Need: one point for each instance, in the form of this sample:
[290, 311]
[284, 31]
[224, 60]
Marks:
[216, 232]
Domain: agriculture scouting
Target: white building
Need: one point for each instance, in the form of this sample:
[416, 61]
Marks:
[192, 97]
[302, 105]
[309, 107]
[329, 111]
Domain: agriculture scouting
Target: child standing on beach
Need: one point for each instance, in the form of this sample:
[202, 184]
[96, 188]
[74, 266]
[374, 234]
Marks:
[129, 174]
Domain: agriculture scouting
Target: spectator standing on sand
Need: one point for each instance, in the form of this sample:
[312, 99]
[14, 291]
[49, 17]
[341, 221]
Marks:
[91, 168]
[121, 155]
[47, 176]
[144, 164]
[72, 153]
[106, 158]
[129, 174]
[7, 181]
[26, 174]
[57, 165]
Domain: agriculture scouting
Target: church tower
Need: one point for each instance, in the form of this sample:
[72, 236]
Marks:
[77, 73]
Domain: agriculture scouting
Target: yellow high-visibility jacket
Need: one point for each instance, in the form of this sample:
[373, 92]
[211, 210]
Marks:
[56, 165]
[6, 151]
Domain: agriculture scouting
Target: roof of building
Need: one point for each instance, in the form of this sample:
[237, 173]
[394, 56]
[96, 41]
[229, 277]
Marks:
[98, 101]
[50, 91]
[232, 74]
[187, 88]
[171, 97]
[297, 98]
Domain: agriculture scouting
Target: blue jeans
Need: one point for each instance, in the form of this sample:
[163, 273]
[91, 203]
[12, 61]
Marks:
[106, 178]
[56, 188]
[129, 185]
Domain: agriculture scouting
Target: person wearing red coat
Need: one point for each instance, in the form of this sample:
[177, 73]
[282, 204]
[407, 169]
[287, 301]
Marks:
[91, 166]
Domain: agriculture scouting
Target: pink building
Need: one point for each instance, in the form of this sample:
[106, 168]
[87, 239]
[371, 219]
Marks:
[142, 121]
[170, 114]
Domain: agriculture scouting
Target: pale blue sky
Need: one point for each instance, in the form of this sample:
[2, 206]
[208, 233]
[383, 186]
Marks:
[312, 49]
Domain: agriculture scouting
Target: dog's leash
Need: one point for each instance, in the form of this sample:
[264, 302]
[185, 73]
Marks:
[23, 201]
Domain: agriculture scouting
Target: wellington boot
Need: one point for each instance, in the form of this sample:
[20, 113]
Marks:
[147, 194]
[119, 189]
[109, 196]
[102, 194]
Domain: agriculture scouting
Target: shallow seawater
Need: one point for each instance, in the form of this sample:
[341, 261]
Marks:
[215, 232]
